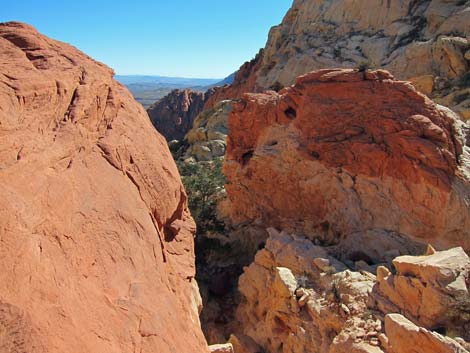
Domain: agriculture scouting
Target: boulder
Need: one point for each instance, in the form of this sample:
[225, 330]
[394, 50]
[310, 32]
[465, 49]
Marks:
[207, 138]
[405, 337]
[289, 304]
[431, 290]
[221, 348]
[355, 160]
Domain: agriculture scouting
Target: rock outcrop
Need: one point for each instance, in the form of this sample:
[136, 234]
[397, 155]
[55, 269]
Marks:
[174, 114]
[426, 42]
[297, 297]
[430, 290]
[207, 138]
[96, 241]
[352, 159]
[405, 337]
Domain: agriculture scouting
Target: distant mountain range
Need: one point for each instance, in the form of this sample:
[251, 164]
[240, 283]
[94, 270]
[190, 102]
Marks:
[148, 89]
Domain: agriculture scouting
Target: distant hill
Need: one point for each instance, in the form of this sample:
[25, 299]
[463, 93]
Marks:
[226, 81]
[164, 80]
[148, 89]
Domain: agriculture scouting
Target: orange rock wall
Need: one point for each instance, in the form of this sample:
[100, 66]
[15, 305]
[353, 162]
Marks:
[96, 241]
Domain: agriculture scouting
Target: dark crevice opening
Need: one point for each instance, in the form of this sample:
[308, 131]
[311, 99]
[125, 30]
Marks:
[291, 113]
[246, 157]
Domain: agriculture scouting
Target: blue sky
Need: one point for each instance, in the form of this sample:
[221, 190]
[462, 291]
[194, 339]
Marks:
[190, 38]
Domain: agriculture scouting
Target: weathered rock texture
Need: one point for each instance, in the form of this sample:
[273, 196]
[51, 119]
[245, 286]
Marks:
[405, 337]
[430, 290]
[426, 42]
[96, 242]
[297, 298]
[174, 114]
[346, 156]
[207, 138]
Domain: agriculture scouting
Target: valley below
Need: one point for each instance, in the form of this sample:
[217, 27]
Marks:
[315, 201]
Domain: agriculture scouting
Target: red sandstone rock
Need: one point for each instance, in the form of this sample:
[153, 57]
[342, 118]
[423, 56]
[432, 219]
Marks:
[173, 115]
[96, 241]
[344, 153]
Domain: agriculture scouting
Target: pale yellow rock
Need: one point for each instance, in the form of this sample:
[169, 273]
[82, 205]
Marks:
[336, 313]
[424, 84]
[221, 348]
[430, 250]
[207, 138]
[467, 55]
[431, 289]
[382, 273]
[268, 315]
[405, 337]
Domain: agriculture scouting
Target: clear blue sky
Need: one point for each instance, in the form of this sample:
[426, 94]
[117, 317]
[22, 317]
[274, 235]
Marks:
[189, 38]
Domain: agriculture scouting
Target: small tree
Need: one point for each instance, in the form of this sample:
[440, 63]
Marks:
[204, 183]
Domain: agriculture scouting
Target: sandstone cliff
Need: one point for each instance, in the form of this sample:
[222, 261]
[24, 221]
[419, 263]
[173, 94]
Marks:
[96, 241]
[426, 42]
[174, 114]
[352, 159]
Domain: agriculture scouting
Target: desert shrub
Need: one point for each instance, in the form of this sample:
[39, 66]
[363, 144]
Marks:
[178, 148]
[363, 66]
[276, 86]
[204, 183]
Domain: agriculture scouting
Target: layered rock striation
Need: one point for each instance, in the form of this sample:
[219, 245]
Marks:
[356, 160]
[96, 241]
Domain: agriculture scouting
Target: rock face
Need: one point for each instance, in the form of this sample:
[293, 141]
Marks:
[174, 114]
[96, 241]
[296, 297]
[426, 42]
[405, 337]
[431, 290]
[207, 138]
[352, 159]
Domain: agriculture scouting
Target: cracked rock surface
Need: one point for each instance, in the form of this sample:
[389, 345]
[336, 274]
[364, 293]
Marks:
[356, 160]
[96, 241]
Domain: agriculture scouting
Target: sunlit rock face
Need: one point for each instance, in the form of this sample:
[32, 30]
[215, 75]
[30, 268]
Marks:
[356, 160]
[174, 114]
[96, 241]
[297, 297]
[426, 42]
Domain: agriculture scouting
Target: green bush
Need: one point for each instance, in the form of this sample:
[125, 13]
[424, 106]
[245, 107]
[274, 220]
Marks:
[204, 184]
[363, 66]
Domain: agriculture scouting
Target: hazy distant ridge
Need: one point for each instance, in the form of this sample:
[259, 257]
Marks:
[147, 88]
